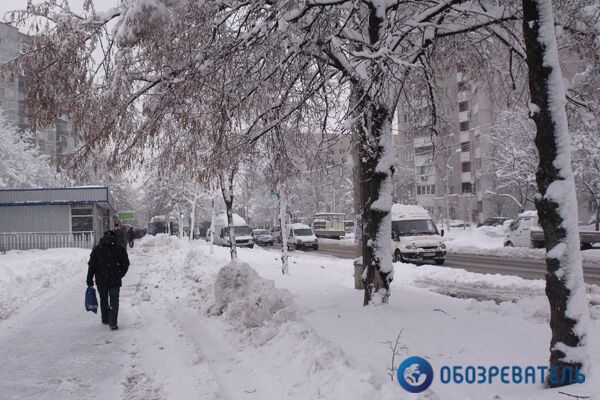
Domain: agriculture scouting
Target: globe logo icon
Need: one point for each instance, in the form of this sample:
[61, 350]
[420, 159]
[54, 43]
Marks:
[415, 374]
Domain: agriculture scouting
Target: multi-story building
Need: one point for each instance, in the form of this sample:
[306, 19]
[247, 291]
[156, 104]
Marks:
[54, 140]
[451, 175]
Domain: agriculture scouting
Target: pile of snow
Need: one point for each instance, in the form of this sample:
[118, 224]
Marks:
[472, 241]
[241, 295]
[25, 275]
[503, 294]
[162, 241]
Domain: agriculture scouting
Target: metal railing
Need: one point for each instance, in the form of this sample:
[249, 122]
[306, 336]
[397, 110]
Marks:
[45, 240]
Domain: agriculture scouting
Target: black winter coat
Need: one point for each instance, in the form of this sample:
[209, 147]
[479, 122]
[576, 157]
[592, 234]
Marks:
[108, 263]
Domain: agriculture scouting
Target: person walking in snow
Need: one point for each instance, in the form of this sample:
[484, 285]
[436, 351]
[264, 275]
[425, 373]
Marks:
[108, 264]
[131, 236]
[121, 234]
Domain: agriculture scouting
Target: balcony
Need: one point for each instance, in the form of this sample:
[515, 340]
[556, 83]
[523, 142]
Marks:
[462, 96]
[465, 177]
[465, 156]
[465, 136]
[463, 116]
[460, 77]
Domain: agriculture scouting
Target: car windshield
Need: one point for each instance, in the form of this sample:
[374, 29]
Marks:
[303, 232]
[239, 230]
[261, 232]
[414, 227]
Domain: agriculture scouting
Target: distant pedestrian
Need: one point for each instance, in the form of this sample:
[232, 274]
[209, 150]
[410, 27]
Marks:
[131, 236]
[108, 264]
[121, 234]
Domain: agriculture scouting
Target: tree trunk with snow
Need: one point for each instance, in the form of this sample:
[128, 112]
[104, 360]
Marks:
[282, 197]
[556, 203]
[375, 151]
[192, 221]
[227, 191]
[212, 225]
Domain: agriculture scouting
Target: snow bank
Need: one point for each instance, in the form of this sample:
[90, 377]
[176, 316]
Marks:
[503, 294]
[242, 296]
[160, 241]
[467, 241]
[25, 275]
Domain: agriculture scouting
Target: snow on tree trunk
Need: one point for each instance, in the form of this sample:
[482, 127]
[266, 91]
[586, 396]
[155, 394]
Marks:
[227, 191]
[180, 222]
[282, 197]
[212, 225]
[556, 203]
[375, 153]
[192, 220]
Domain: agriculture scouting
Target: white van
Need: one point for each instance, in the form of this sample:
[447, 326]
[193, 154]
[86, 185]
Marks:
[415, 238]
[243, 233]
[300, 236]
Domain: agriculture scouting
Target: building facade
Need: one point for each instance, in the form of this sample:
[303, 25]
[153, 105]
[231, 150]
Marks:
[54, 140]
[54, 217]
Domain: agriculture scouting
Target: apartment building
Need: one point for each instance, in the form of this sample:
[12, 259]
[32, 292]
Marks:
[451, 175]
[54, 140]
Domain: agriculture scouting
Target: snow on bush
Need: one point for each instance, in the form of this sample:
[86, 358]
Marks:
[241, 295]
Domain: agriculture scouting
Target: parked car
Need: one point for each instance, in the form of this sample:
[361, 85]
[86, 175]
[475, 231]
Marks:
[262, 237]
[493, 221]
[526, 232]
[415, 238]
[301, 236]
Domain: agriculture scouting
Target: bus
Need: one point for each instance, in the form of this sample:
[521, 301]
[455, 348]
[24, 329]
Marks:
[329, 225]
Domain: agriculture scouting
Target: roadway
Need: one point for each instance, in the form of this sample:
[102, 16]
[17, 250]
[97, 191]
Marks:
[528, 268]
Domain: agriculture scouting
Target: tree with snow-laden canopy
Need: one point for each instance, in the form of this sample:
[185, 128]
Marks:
[160, 58]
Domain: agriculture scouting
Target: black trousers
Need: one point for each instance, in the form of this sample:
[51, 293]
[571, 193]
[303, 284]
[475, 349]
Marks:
[109, 304]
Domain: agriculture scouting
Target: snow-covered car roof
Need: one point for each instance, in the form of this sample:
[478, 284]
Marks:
[407, 211]
[221, 219]
[299, 226]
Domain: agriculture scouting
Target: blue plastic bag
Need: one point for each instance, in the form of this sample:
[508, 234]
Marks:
[91, 302]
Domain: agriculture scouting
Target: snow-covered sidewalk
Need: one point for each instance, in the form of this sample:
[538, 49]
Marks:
[302, 336]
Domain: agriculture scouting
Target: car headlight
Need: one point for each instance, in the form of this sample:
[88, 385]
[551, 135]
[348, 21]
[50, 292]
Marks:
[442, 246]
[411, 246]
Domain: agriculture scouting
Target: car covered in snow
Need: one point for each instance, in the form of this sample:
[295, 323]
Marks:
[262, 237]
[415, 238]
[301, 236]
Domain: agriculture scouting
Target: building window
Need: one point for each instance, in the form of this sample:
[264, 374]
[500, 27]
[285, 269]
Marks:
[466, 167]
[450, 171]
[466, 146]
[464, 126]
[463, 106]
[425, 189]
[409, 155]
[424, 170]
[82, 219]
[466, 187]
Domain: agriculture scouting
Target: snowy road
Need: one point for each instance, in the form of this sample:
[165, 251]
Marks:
[528, 268]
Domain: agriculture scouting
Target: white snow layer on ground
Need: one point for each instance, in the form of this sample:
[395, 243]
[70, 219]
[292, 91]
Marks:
[28, 274]
[192, 330]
